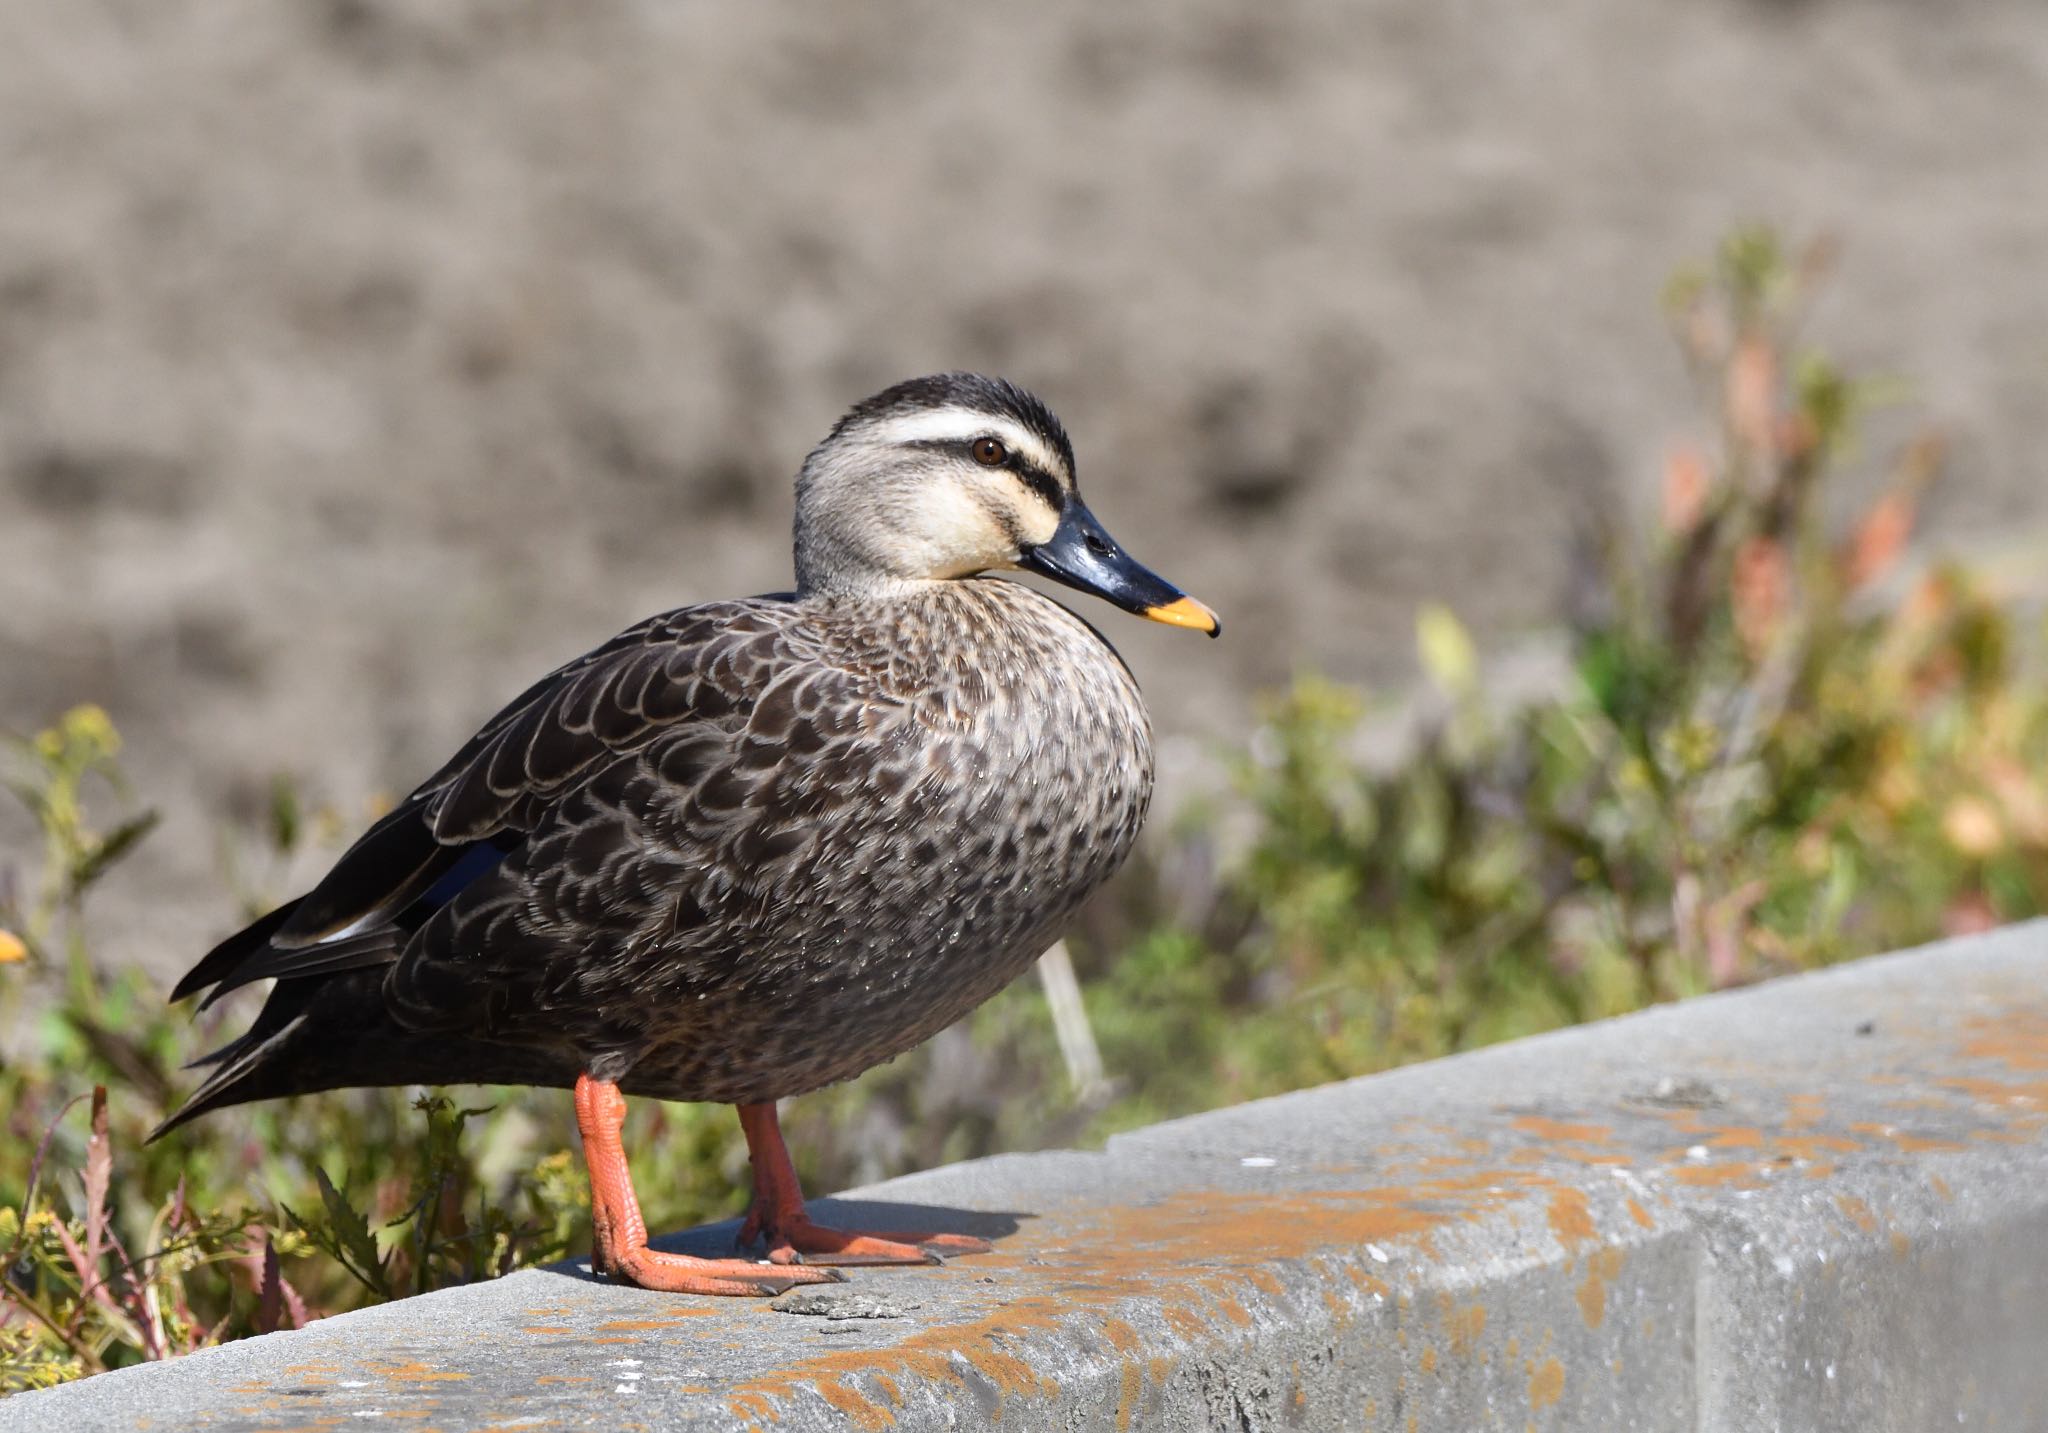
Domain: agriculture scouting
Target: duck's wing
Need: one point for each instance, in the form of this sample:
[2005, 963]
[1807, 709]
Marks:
[701, 665]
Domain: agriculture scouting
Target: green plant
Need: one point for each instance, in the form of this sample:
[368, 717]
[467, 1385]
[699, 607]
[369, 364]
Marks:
[1773, 748]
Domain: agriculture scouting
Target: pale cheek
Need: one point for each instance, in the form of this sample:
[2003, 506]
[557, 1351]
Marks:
[957, 535]
[1038, 524]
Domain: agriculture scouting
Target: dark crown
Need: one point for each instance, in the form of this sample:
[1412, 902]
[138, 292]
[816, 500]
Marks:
[973, 392]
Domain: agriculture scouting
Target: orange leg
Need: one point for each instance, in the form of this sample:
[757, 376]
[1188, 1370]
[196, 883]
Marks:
[622, 1251]
[779, 1221]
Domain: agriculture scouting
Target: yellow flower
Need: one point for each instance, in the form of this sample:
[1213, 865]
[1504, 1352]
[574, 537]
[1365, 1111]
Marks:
[12, 947]
[1446, 650]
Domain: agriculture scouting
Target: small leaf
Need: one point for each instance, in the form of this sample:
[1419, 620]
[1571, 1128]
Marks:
[98, 861]
[269, 1290]
[350, 1231]
[287, 822]
[1760, 590]
[12, 947]
[1875, 546]
[1685, 490]
[99, 1173]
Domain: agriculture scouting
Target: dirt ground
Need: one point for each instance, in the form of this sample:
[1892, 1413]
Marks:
[358, 360]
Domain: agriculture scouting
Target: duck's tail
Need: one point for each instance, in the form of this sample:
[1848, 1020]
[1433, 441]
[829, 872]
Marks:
[330, 1032]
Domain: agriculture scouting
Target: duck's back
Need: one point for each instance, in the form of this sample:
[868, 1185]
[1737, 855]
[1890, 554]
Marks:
[886, 812]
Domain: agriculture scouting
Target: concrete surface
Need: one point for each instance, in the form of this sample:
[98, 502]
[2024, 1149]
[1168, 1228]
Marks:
[359, 360]
[1820, 1204]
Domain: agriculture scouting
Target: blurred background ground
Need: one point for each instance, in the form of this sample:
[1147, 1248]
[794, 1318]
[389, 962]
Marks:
[360, 360]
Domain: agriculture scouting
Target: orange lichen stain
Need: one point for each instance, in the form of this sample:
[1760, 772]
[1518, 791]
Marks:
[752, 1405]
[1640, 1214]
[1265, 1281]
[1340, 1312]
[546, 1329]
[1236, 1312]
[1907, 1142]
[1514, 1348]
[1857, 1212]
[560, 1378]
[1708, 1175]
[552, 1311]
[1546, 1383]
[1092, 1264]
[1129, 1385]
[2017, 1039]
[669, 1321]
[1545, 1154]
[864, 1413]
[1940, 1187]
[1465, 1326]
[888, 1386]
[1124, 1339]
[2003, 1093]
[1432, 1163]
[1570, 1219]
[1820, 1171]
[1811, 1146]
[1429, 1360]
[1604, 1264]
[421, 1373]
[1902, 1247]
[1558, 1130]
[1919, 1144]
[1736, 1137]
[1804, 1110]
[1367, 1280]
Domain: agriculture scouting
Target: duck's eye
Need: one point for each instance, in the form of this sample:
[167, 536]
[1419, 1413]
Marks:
[990, 453]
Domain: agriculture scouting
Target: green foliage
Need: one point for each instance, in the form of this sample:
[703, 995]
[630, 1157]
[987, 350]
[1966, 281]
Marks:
[1773, 749]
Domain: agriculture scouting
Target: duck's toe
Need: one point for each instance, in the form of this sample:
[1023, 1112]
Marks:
[800, 1242]
[683, 1274]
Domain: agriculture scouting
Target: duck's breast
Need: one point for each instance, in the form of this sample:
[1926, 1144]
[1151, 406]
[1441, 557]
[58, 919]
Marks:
[996, 772]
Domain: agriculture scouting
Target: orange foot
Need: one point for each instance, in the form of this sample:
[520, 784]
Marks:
[682, 1274]
[777, 1219]
[622, 1251]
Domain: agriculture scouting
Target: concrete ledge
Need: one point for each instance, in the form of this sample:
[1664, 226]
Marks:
[1821, 1204]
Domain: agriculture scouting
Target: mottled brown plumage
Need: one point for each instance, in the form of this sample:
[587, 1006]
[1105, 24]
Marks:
[751, 847]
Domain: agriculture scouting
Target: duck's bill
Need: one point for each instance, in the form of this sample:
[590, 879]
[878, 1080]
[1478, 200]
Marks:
[1083, 555]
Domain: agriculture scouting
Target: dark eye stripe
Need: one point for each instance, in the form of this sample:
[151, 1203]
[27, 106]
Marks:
[1039, 481]
[1044, 484]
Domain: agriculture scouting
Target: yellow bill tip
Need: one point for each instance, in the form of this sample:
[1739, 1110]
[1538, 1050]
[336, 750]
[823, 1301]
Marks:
[1186, 612]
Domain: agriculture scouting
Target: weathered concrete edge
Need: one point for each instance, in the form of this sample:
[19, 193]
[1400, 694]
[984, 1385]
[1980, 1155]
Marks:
[1902, 1289]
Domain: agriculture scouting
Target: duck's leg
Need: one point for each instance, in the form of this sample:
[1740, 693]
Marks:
[779, 1221]
[622, 1251]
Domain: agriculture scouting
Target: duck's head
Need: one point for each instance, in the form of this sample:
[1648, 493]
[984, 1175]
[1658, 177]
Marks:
[956, 474]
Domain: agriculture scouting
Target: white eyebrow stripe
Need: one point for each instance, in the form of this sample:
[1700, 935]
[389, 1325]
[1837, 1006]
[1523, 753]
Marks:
[961, 424]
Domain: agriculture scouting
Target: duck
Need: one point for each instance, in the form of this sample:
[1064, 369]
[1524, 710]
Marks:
[748, 848]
